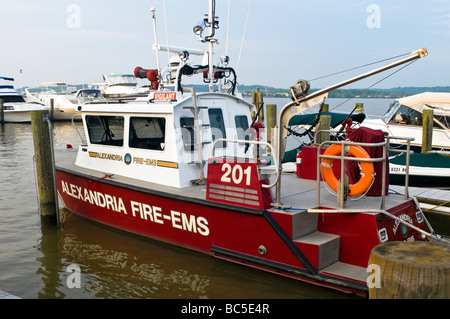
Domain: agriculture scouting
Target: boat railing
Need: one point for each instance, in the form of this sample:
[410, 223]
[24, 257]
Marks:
[83, 140]
[408, 153]
[383, 159]
[343, 158]
[275, 158]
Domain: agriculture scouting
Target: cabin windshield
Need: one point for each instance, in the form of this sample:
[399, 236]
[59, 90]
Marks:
[406, 115]
[87, 95]
[391, 110]
[57, 90]
[401, 114]
[122, 79]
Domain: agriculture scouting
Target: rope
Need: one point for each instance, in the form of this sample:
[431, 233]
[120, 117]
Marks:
[359, 67]
[364, 90]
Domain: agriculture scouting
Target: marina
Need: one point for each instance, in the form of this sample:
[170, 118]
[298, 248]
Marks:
[303, 204]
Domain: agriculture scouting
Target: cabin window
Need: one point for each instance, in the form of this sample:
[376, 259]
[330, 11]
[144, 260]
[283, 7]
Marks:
[147, 133]
[217, 126]
[445, 120]
[105, 130]
[241, 122]
[12, 98]
[187, 132]
[407, 115]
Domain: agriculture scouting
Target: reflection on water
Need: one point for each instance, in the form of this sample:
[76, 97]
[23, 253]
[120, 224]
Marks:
[119, 265]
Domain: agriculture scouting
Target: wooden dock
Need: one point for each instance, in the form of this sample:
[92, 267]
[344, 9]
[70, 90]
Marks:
[5, 295]
[432, 199]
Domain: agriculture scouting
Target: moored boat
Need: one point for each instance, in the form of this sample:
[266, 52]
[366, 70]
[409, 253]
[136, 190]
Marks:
[64, 102]
[181, 167]
[424, 170]
[15, 109]
[403, 118]
[119, 85]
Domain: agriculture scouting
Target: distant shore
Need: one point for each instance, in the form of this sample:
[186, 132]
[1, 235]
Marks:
[348, 93]
[268, 91]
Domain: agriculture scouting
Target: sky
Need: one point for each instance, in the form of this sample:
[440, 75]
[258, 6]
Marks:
[270, 42]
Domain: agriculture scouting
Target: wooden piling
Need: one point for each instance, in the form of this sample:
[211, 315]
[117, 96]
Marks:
[44, 166]
[409, 270]
[52, 109]
[427, 131]
[359, 108]
[271, 120]
[2, 115]
[257, 101]
[325, 108]
[324, 124]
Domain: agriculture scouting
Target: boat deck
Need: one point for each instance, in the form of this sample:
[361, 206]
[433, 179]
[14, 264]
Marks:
[296, 193]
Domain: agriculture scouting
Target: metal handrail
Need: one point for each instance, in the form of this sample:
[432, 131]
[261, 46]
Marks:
[83, 141]
[275, 158]
[342, 157]
[408, 152]
[383, 159]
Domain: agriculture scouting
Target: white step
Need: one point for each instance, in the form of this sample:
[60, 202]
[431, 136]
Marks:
[321, 249]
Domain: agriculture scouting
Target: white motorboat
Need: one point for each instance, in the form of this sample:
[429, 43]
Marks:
[64, 102]
[15, 109]
[404, 119]
[118, 85]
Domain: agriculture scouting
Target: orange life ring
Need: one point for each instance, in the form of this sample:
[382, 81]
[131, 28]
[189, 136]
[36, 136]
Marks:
[367, 171]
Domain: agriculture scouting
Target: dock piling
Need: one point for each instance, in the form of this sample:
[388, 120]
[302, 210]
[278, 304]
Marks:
[257, 101]
[2, 111]
[52, 109]
[43, 149]
[324, 124]
[359, 108]
[427, 131]
[410, 270]
[271, 120]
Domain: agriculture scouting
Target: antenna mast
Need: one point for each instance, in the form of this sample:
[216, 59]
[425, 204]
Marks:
[156, 41]
[212, 22]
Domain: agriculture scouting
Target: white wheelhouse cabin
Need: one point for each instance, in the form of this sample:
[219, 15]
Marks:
[154, 138]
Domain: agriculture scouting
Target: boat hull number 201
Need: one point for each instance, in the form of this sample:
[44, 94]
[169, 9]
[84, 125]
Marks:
[236, 174]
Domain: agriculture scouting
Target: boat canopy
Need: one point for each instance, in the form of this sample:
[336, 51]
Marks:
[336, 118]
[408, 110]
[428, 99]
